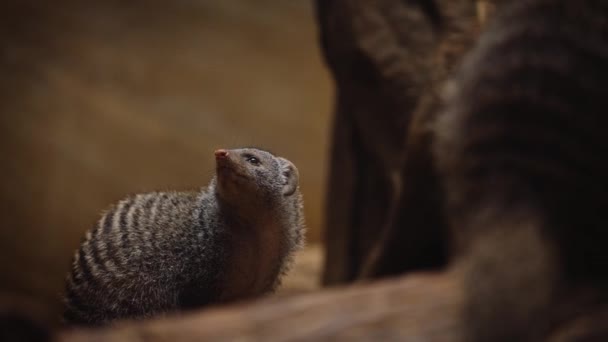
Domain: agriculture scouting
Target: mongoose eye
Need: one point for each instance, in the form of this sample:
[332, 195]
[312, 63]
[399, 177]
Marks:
[253, 160]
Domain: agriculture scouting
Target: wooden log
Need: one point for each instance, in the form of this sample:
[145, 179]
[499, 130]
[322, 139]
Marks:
[421, 307]
[417, 307]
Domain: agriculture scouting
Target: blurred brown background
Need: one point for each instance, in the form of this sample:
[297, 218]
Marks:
[99, 99]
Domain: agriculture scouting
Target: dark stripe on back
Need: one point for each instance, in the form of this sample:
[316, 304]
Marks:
[160, 212]
[85, 270]
[150, 201]
[125, 231]
[140, 223]
[124, 225]
[113, 251]
[74, 276]
[98, 235]
[108, 222]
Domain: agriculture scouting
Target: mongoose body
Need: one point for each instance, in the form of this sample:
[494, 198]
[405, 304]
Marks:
[162, 252]
[521, 149]
[414, 237]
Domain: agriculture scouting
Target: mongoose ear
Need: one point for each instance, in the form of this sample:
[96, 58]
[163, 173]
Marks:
[290, 176]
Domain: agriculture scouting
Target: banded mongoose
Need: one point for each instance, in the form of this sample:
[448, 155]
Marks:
[521, 148]
[378, 53]
[414, 236]
[161, 252]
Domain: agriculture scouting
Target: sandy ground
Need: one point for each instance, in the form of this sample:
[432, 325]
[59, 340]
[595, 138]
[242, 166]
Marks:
[306, 271]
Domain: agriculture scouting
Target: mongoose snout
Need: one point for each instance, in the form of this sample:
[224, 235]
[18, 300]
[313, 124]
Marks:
[223, 165]
[221, 153]
[228, 166]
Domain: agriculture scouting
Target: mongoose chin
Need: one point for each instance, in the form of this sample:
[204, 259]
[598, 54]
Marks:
[161, 252]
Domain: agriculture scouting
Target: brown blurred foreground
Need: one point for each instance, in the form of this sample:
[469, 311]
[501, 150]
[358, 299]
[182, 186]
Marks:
[417, 308]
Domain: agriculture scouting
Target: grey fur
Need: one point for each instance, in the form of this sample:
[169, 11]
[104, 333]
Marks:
[161, 252]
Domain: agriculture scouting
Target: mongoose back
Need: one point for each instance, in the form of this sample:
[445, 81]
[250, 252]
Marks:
[162, 252]
[521, 148]
[414, 237]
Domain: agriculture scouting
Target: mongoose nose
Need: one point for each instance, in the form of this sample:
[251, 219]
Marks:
[221, 154]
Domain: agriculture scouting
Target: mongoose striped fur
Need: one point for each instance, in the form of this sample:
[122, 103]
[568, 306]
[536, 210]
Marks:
[162, 252]
[521, 148]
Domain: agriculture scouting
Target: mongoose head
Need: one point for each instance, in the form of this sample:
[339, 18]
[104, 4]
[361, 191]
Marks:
[253, 174]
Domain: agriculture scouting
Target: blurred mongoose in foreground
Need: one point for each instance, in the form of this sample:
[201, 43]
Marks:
[521, 148]
[162, 252]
